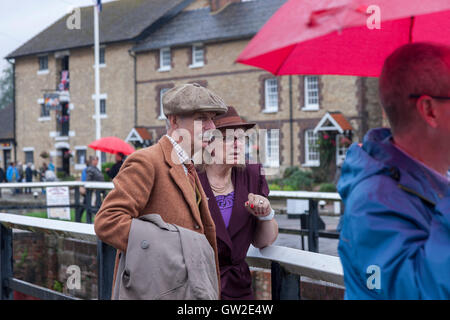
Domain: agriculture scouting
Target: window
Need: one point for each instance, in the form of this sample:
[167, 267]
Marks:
[165, 59]
[43, 63]
[80, 156]
[45, 110]
[162, 116]
[342, 145]
[197, 56]
[29, 157]
[272, 148]
[312, 154]
[102, 106]
[271, 95]
[103, 157]
[101, 57]
[311, 93]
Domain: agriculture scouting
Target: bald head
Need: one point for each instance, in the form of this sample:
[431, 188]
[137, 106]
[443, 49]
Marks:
[418, 68]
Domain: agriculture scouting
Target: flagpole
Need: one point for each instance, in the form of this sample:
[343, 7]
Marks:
[97, 85]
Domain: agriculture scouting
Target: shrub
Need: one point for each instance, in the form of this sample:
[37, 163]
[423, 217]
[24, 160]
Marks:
[327, 187]
[274, 187]
[104, 166]
[299, 180]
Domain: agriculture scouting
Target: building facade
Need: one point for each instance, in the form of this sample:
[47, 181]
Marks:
[184, 41]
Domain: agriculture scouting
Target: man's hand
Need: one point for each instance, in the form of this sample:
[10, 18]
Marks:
[258, 205]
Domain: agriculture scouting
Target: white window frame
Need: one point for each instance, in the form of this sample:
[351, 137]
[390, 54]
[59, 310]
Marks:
[308, 152]
[40, 102]
[272, 152]
[311, 106]
[25, 150]
[198, 47]
[162, 66]
[162, 116]
[42, 71]
[78, 165]
[340, 157]
[269, 106]
[102, 96]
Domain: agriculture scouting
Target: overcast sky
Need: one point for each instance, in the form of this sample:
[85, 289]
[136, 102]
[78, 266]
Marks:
[21, 20]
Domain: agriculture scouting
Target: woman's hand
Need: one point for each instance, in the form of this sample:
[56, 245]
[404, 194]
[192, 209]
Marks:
[258, 205]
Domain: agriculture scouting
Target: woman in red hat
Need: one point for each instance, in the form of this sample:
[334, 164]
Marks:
[237, 198]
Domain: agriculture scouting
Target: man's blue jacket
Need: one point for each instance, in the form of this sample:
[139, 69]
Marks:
[395, 238]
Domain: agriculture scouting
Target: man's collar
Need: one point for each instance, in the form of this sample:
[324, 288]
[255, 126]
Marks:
[182, 155]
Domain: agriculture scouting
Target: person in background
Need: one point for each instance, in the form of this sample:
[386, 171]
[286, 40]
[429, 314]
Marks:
[2, 179]
[92, 172]
[28, 176]
[237, 199]
[12, 175]
[114, 170]
[51, 166]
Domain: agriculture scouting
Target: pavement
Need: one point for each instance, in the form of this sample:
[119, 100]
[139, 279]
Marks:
[326, 246]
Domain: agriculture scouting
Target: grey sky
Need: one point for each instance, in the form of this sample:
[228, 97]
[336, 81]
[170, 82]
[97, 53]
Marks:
[20, 20]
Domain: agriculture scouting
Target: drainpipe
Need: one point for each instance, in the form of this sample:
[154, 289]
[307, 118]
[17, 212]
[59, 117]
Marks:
[13, 64]
[291, 124]
[132, 54]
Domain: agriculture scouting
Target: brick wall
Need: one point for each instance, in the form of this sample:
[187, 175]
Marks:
[43, 260]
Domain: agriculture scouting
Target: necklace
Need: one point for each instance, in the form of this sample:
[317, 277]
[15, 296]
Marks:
[220, 189]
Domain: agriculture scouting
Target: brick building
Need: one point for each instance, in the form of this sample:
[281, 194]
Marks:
[149, 46]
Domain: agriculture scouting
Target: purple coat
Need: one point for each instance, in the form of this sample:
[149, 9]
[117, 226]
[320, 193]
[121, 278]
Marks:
[233, 242]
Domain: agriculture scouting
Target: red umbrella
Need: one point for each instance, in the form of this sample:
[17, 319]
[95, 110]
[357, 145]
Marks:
[338, 37]
[112, 145]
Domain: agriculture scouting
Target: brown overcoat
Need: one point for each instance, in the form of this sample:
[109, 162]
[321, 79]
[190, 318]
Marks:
[150, 182]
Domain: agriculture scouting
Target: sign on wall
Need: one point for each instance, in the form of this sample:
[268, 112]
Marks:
[58, 196]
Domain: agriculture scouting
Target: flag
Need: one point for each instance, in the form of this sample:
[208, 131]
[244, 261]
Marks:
[99, 5]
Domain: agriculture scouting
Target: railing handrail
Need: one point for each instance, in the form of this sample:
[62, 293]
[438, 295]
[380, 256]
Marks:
[309, 264]
[76, 230]
[41, 184]
[305, 195]
[85, 184]
[109, 185]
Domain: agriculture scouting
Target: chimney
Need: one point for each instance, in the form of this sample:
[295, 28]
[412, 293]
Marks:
[218, 5]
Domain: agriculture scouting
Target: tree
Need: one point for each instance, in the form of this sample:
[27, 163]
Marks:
[6, 87]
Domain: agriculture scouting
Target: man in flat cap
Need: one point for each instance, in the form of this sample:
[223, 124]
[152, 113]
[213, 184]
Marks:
[161, 179]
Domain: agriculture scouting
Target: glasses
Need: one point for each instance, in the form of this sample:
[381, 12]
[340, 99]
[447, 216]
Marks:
[417, 96]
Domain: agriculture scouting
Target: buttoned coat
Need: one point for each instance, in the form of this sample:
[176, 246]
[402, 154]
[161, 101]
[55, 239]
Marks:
[148, 182]
[165, 262]
[233, 242]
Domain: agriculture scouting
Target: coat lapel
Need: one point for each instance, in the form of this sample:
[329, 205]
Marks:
[179, 177]
[221, 230]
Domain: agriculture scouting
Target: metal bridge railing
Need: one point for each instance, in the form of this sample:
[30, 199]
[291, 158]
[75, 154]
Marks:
[286, 264]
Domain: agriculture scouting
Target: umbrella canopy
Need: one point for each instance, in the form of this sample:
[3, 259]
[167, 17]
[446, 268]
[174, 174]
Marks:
[112, 145]
[341, 36]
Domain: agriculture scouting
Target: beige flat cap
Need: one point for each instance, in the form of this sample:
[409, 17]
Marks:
[190, 98]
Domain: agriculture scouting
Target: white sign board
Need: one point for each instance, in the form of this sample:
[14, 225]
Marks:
[58, 196]
[297, 206]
